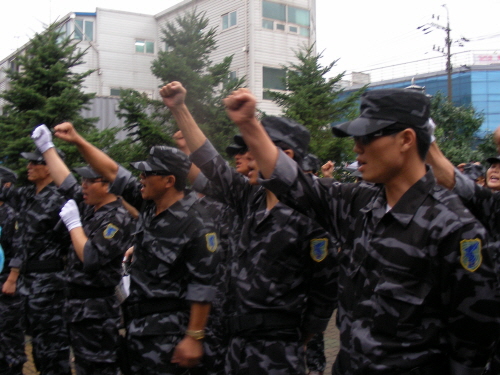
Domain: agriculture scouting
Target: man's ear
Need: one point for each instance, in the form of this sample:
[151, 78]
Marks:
[408, 139]
[169, 181]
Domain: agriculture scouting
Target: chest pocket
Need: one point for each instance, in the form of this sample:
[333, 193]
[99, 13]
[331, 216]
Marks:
[398, 308]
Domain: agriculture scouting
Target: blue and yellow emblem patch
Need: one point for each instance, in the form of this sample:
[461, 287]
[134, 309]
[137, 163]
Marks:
[319, 249]
[470, 254]
[212, 241]
[110, 231]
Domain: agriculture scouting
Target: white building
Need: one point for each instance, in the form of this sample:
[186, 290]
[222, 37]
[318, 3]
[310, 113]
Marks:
[262, 36]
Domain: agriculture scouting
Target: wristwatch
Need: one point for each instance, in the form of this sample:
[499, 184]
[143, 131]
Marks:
[197, 335]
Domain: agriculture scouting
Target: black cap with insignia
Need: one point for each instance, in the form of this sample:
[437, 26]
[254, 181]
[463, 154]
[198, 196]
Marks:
[382, 108]
[38, 157]
[86, 172]
[165, 159]
[282, 129]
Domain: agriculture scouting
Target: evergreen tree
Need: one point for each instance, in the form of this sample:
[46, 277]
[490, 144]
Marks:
[187, 60]
[456, 130]
[44, 90]
[316, 101]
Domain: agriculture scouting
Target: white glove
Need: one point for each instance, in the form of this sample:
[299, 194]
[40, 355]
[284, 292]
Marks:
[70, 215]
[432, 126]
[43, 138]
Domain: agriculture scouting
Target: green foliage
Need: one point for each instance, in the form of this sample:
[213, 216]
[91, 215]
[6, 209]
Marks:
[316, 101]
[187, 60]
[456, 129]
[43, 90]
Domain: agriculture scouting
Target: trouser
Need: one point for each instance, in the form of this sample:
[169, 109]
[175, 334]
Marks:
[95, 344]
[12, 354]
[45, 324]
[315, 353]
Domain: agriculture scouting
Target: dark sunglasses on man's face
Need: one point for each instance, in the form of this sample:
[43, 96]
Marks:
[369, 138]
[145, 174]
[37, 162]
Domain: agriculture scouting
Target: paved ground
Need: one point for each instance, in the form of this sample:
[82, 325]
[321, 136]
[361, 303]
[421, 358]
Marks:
[331, 349]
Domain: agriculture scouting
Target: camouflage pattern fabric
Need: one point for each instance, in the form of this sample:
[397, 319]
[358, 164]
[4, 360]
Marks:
[11, 307]
[173, 258]
[416, 283]
[315, 353]
[93, 322]
[38, 239]
[274, 268]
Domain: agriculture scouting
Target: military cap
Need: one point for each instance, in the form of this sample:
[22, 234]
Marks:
[86, 172]
[493, 160]
[282, 129]
[38, 157]
[7, 175]
[165, 159]
[474, 171]
[382, 108]
[238, 147]
[310, 163]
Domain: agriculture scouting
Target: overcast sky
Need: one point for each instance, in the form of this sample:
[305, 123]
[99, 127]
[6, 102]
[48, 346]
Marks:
[362, 34]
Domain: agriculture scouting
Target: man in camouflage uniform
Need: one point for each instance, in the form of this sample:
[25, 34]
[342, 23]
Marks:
[416, 280]
[100, 239]
[171, 270]
[12, 356]
[41, 248]
[282, 281]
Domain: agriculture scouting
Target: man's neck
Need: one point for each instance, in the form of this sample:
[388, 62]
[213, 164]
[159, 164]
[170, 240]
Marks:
[400, 184]
[39, 185]
[168, 199]
[271, 199]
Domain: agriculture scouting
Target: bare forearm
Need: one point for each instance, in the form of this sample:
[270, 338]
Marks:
[98, 160]
[79, 239]
[192, 133]
[57, 168]
[198, 316]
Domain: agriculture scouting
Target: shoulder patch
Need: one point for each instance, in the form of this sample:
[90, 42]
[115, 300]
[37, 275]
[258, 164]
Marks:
[110, 231]
[319, 249]
[212, 241]
[470, 254]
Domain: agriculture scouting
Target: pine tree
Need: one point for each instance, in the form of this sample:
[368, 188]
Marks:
[187, 60]
[44, 90]
[316, 101]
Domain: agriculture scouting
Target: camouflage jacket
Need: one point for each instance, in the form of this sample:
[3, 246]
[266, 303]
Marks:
[284, 262]
[7, 225]
[416, 283]
[38, 237]
[109, 232]
[172, 256]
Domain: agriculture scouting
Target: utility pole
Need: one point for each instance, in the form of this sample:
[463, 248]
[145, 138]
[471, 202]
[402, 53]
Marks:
[427, 28]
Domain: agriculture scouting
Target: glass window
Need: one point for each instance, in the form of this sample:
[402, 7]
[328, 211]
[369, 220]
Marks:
[298, 16]
[280, 26]
[84, 30]
[144, 46]
[228, 20]
[304, 31]
[266, 24]
[273, 78]
[274, 10]
[293, 29]
[115, 92]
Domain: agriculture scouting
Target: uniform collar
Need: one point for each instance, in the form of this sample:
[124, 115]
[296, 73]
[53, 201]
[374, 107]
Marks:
[407, 206]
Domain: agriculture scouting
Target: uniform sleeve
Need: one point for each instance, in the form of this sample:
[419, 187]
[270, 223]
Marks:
[127, 186]
[322, 295]
[201, 264]
[71, 189]
[469, 294]
[109, 241]
[225, 184]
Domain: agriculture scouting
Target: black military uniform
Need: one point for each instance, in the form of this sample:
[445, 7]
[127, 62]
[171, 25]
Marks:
[92, 308]
[41, 250]
[416, 281]
[282, 276]
[172, 266]
[12, 355]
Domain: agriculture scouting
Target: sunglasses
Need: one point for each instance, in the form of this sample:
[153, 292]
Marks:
[145, 174]
[37, 162]
[369, 138]
[90, 181]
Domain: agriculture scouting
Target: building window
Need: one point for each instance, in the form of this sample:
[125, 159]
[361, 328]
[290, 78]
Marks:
[229, 20]
[115, 92]
[144, 46]
[273, 79]
[283, 17]
[84, 30]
